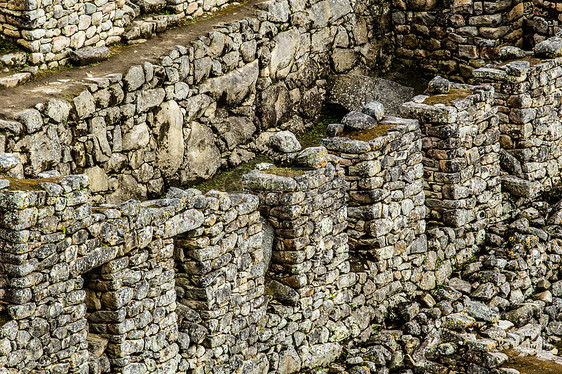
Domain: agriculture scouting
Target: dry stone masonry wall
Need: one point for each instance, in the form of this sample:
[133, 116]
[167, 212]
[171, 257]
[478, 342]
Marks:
[454, 37]
[203, 106]
[528, 100]
[461, 164]
[413, 245]
[266, 282]
[309, 277]
[49, 30]
[220, 272]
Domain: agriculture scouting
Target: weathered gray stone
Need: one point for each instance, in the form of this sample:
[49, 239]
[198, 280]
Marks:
[149, 99]
[98, 178]
[44, 150]
[134, 78]
[282, 55]
[520, 316]
[314, 157]
[274, 106]
[234, 86]
[96, 344]
[438, 85]
[458, 322]
[510, 164]
[549, 48]
[236, 130]
[322, 354]
[202, 157]
[520, 187]
[89, 55]
[374, 109]
[281, 292]
[128, 189]
[171, 145]
[31, 119]
[353, 91]
[57, 110]
[84, 104]
[285, 142]
[11, 126]
[327, 11]
[358, 121]
[481, 311]
[510, 53]
[137, 137]
[183, 222]
[8, 162]
[289, 361]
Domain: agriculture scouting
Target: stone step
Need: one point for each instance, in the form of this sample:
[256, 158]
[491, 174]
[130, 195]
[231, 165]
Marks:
[12, 78]
[12, 60]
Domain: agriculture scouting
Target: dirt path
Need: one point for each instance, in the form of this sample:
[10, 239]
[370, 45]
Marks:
[72, 80]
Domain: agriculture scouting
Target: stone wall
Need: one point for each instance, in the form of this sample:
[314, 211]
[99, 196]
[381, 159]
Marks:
[79, 278]
[528, 99]
[206, 105]
[461, 147]
[312, 311]
[49, 30]
[454, 38]
[386, 209]
[202, 283]
[220, 269]
[546, 19]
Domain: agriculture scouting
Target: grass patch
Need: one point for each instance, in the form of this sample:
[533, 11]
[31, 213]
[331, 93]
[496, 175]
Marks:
[531, 364]
[7, 46]
[117, 48]
[285, 172]
[530, 59]
[370, 134]
[30, 184]
[312, 137]
[229, 180]
[446, 99]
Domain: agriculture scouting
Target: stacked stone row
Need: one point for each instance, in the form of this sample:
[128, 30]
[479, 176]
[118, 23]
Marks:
[220, 286]
[41, 233]
[386, 212]
[311, 296]
[76, 280]
[135, 132]
[51, 30]
[385, 188]
[461, 166]
[455, 39]
[529, 109]
[546, 19]
[130, 283]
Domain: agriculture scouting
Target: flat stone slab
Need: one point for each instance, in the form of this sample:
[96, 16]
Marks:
[89, 55]
[352, 92]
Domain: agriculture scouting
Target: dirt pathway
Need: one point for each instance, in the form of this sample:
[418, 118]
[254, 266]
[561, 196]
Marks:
[72, 80]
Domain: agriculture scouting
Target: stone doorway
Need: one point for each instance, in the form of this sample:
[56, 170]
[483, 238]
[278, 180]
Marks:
[97, 314]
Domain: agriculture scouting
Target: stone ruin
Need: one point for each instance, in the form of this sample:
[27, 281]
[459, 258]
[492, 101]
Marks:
[430, 242]
[403, 245]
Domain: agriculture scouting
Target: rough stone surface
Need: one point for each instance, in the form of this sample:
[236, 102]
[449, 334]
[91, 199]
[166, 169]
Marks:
[89, 55]
[353, 91]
